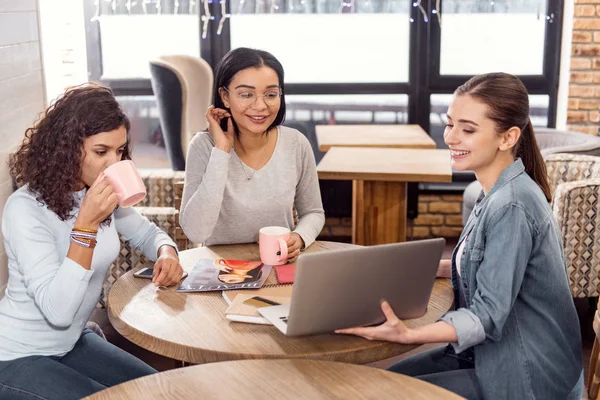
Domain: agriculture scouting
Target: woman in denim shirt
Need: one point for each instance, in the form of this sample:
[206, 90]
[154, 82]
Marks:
[514, 333]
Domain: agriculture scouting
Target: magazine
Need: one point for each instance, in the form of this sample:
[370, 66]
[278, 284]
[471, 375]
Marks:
[219, 274]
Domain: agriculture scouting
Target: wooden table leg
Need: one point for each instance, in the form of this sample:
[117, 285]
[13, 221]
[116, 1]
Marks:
[378, 212]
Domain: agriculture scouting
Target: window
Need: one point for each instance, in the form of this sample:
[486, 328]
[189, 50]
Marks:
[134, 32]
[320, 45]
[346, 61]
[476, 38]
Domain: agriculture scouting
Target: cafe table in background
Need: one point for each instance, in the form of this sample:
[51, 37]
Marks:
[374, 135]
[379, 185]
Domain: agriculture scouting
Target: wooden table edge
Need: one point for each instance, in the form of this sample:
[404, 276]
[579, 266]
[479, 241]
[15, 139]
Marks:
[325, 147]
[383, 177]
[186, 353]
[188, 373]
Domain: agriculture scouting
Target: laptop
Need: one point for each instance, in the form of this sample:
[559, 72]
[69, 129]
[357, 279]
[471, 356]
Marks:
[344, 288]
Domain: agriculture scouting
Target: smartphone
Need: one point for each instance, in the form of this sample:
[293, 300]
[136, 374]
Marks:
[144, 273]
[259, 302]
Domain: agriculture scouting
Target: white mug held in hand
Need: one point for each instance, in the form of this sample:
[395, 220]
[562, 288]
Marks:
[126, 182]
[272, 244]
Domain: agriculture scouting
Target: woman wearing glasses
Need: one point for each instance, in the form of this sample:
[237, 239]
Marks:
[248, 171]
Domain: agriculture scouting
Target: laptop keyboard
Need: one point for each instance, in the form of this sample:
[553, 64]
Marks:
[284, 319]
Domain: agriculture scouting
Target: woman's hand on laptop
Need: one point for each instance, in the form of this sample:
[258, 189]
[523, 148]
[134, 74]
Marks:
[294, 243]
[392, 330]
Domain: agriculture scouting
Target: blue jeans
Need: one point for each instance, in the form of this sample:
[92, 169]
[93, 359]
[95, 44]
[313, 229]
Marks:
[444, 369]
[451, 372]
[93, 365]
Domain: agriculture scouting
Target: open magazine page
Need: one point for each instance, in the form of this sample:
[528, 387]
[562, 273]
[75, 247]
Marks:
[219, 274]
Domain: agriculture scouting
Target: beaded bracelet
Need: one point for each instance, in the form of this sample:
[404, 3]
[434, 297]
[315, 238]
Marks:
[94, 231]
[89, 243]
[84, 237]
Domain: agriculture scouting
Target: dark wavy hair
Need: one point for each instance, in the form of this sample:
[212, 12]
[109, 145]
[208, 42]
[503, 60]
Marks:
[240, 59]
[50, 156]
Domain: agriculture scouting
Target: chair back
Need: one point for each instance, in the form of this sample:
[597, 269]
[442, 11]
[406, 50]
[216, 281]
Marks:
[563, 168]
[575, 182]
[182, 85]
[180, 239]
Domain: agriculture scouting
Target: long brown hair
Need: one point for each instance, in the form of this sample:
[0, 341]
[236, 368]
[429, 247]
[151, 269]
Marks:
[508, 106]
[49, 159]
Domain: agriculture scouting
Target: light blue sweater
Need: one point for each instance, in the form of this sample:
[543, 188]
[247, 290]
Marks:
[49, 297]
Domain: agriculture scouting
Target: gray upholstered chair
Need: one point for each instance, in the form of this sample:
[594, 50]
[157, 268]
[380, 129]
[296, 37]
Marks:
[183, 88]
[550, 141]
[575, 183]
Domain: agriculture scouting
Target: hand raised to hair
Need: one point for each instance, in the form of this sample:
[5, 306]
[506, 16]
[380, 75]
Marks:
[223, 140]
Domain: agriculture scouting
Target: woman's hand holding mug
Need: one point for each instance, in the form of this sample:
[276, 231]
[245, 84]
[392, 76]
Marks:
[99, 202]
[223, 140]
[294, 243]
[277, 245]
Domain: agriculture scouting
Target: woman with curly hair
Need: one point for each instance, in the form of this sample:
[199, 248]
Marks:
[61, 234]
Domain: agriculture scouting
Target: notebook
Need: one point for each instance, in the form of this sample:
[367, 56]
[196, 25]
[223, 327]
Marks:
[250, 314]
[244, 307]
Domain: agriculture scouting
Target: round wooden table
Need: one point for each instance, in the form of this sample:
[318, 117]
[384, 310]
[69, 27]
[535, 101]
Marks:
[275, 379]
[192, 327]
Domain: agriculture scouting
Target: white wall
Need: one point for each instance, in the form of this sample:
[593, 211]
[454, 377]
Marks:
[62, 32]
[21, 89]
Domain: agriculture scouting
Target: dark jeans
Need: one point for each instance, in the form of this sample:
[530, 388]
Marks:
[93, 364]
[443, 368]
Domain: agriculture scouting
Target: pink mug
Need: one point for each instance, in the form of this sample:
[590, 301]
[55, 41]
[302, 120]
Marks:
[126, 182]
[272, 245]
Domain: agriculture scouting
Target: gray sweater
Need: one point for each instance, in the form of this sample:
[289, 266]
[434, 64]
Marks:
[50, 297]
[221, 205]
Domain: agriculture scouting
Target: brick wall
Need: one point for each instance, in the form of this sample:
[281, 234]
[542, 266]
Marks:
[439, 216]
[584, 83]
[21, 89]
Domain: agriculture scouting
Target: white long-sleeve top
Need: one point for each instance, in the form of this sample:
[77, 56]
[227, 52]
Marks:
[49, 297]
[221, 205]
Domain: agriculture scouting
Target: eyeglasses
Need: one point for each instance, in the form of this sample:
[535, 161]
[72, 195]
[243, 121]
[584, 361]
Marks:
[271, 98]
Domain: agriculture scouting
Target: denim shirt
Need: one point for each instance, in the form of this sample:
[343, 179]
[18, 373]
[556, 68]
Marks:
[520, 317]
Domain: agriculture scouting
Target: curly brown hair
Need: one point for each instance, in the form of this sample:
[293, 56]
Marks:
[50, 157]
